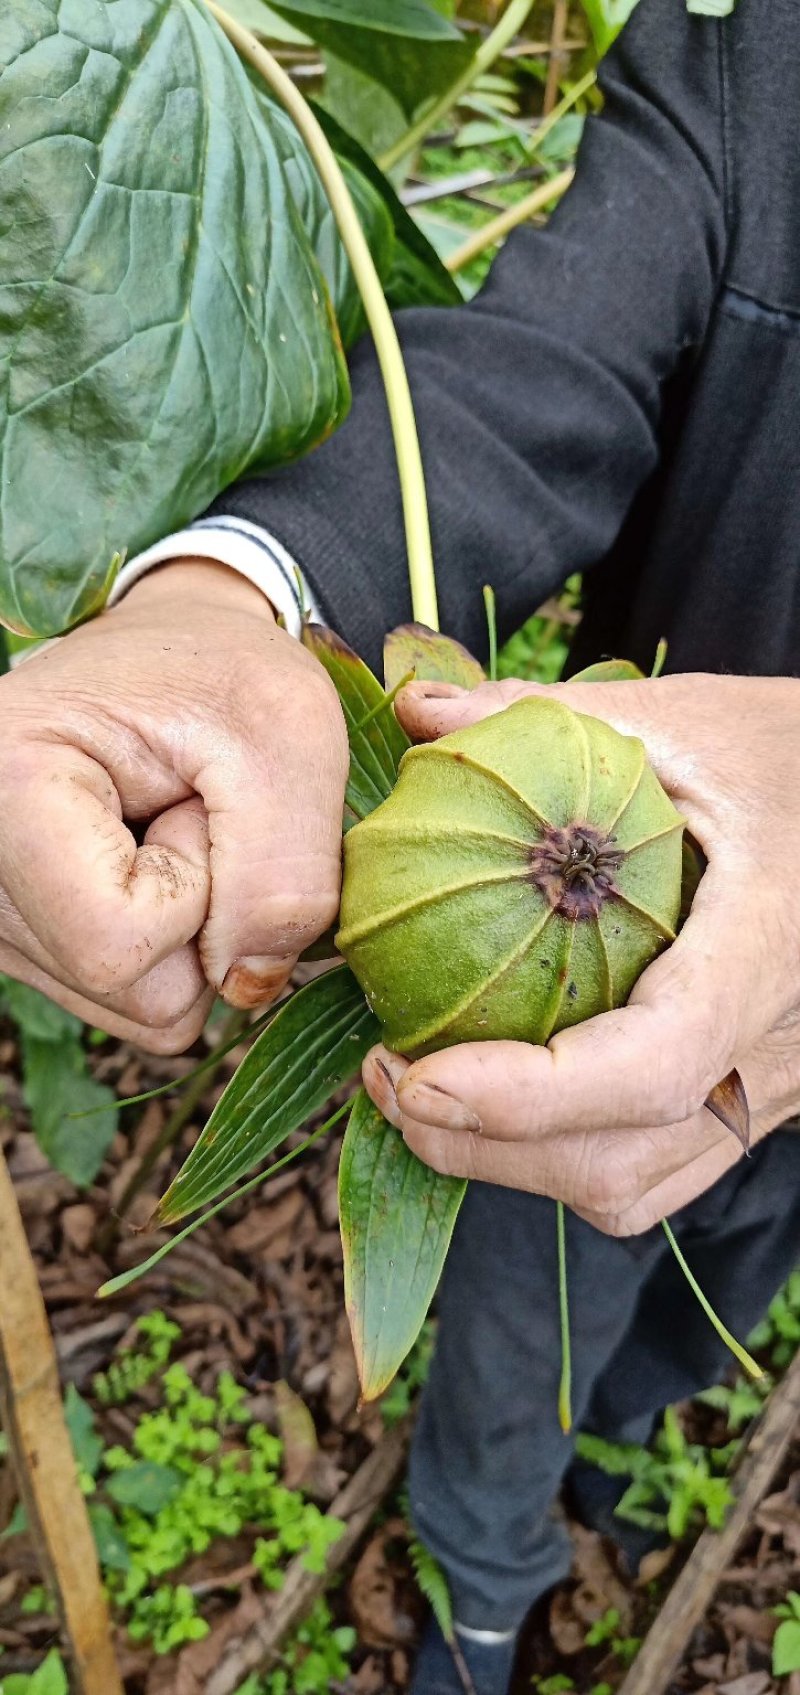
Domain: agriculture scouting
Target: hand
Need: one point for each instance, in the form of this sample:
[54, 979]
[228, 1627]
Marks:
[186, 713]
[609, 1117]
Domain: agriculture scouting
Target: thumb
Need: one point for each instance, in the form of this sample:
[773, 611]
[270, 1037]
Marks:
[649, 709]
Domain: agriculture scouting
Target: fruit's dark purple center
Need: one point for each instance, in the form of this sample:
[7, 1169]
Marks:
[575, 868]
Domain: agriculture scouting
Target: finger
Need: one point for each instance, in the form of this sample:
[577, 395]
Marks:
[653, 1062]
[274, 795]
[106, 910]
[164, 1013]
[667, 1195]
[622, 1182]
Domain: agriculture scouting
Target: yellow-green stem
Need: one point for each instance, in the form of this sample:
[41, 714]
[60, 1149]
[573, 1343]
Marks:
[565, 1386]
[490, 605]
[379, 318]
[501, 226]
[740, 1353]
[512, 21]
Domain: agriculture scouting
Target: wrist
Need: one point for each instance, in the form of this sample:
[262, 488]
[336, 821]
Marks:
[203, 579]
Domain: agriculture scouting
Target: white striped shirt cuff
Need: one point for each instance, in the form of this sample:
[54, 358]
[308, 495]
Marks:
[245, 548]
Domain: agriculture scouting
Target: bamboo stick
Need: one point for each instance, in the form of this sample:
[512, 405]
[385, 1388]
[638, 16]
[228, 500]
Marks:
[32, 1415]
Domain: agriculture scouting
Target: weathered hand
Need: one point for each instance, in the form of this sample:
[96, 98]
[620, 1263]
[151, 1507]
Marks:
[609, 1117]
[188, 714]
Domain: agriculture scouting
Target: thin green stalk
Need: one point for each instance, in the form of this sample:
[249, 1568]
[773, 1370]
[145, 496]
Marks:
[4, 656]
[383, 705]
[730, 1341]
[387, 346]
[565, 1386]
[210, 1063]
[498, 228]
[234, 1028]
[491, 622]
[491, 49]
[660, 659]
[116, 1285]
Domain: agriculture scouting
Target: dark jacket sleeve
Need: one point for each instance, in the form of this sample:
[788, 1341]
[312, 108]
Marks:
[539, 402]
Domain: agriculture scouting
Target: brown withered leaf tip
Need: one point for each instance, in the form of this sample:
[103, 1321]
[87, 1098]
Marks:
[728, 1102]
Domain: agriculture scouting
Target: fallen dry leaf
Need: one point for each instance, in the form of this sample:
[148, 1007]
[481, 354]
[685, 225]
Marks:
[377, 1609]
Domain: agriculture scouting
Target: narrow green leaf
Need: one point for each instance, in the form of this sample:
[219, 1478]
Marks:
[313, 1046]
[389, 17]
[150, 354]
[436, 658]
[606, 19]
[397, 1218]
[377, 743]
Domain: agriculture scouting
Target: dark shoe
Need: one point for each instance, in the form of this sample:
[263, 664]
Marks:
[489, 1664]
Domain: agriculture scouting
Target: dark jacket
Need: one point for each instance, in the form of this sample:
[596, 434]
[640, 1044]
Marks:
[623, 397]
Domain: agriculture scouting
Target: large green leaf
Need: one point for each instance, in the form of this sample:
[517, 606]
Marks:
[406, 46]
[163, 321]
[377, 743]
[313, 1046]
[57, 1082]
[413, 18]
[397, 1218]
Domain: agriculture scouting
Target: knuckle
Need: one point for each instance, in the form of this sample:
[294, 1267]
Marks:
[603, 1181]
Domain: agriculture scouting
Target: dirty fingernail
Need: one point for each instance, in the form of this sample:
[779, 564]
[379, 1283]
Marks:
[254, 980]
[437, 1106]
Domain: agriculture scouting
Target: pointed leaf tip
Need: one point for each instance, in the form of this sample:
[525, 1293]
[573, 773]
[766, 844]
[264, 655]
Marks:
[728, 1102]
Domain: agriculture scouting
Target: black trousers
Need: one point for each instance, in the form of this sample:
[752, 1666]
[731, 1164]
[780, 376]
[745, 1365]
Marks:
[488, 1456]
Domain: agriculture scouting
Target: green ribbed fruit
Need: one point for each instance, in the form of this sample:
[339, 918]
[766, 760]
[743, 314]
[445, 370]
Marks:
[518, 880]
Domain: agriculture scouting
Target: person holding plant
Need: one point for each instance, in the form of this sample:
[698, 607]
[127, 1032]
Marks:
[620, 400]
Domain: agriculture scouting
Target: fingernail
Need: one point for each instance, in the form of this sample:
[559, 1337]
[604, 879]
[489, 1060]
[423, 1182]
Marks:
[255, 979]
[436, 1106]
[389, 1082]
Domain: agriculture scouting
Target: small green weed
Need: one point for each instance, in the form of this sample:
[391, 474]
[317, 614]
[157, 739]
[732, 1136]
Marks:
[312, 1663]
[786, 1644]
[135, 1367]
[197, 1469]
[676, 1486]
[741, 1403]
[605, 1632]
[779, 1333]
[49, 1678]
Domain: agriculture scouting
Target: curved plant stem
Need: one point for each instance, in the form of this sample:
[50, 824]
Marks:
[565, 1387]
[387, 346]
[515, 15]
[116, 1285]
[489, 234]
[741, 1354]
